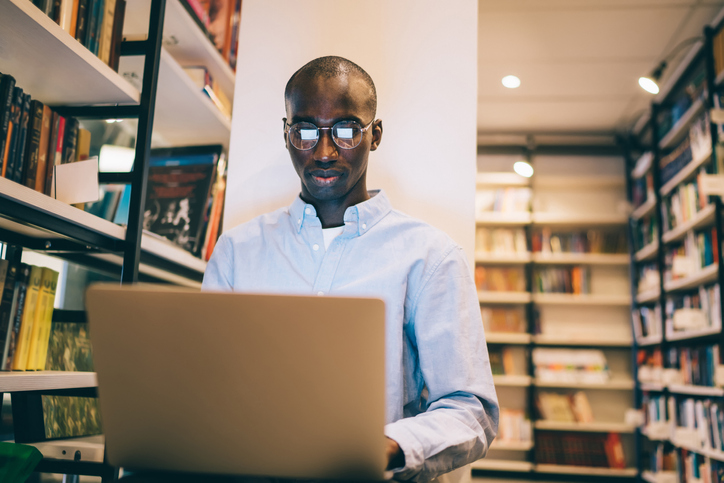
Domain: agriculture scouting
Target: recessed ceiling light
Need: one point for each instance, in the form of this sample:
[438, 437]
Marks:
[511, 81]
[523, 168]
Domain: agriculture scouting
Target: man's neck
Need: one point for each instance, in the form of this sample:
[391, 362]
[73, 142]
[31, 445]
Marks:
[331, 212]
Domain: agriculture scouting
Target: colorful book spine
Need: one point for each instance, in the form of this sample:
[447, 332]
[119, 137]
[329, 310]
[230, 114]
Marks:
[33, 150]
[16, 306]
[38, 349]
[20, 358]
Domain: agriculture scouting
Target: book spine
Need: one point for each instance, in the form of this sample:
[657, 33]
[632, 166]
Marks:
[48, 279]
[65, 19]
[49, 286]
[20, 359]
[91, 40]
[7, 299]
[70, 141]
[52, 142]
[100, 13]
[33, 151]
[21, 147]
[56, 11]
[18, 305]
[43, 150]
[81, 28]
[106, 32]
[14, 133]
[117, 38]
[7, 85]
[74, 19]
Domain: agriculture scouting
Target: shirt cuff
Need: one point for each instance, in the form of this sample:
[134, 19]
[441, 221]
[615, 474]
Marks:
[411, 448]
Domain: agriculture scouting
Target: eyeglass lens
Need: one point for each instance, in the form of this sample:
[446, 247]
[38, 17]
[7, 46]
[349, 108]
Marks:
[346, 135]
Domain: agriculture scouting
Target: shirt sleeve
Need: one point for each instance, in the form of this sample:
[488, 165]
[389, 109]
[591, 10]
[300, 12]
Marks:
[220, 269]
[461, 416]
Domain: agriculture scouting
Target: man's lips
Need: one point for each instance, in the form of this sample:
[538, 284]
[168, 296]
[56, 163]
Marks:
[325, 177]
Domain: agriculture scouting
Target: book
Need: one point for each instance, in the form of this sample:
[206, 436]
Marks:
[41, 172]
[33, 145]
[65, 19]
[106, 31]
[83, 145]
[70, 140]
[497, 279]
[16, 306]
[94, 19]
[7, 86]
[13, 136]
[21, 146]
[82, 22]
[20, 358]
[52, 150]
[38, 350]
[117, 38]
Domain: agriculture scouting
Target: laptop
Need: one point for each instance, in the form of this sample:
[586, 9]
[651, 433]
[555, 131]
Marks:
[240, 384]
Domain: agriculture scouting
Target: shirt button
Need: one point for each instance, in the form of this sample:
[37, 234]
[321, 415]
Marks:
[364, 226]
[320, 293]
[315, 247]
[299, 221]
[308, 211]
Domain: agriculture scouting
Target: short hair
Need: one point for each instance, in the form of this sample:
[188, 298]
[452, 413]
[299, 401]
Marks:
[332, 66]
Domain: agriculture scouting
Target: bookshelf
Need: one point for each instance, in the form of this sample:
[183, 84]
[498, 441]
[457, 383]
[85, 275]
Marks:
[676, 141]
[562, 207]
[164, 103]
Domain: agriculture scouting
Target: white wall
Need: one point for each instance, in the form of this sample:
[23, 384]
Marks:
[422, 55]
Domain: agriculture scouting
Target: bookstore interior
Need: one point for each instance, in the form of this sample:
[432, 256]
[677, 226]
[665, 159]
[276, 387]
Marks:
[596, 257]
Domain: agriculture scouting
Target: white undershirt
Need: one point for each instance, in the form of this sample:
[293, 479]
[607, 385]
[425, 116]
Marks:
[330, 234]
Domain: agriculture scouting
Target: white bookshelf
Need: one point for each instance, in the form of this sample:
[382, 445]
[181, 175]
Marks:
[686, 173]
[585, 470]
[494, 218]
[595, 427]
[645, 209]
[649, 340]
[592, 182]
[502, 258]
[643, 165]
[512, 380]
[705, 275]
[40, 55]
[692, 334]
[502, 465]
[512, 338]
[580, 299]
[703, 218]
[580, 259]
[46, 380]
[563, 340]
[648, 252]
[652, 386]
[648, 296]
[511, 445]
[695, 390]
[573, 220]
[501, 180]
[489, 297]
[613, 384]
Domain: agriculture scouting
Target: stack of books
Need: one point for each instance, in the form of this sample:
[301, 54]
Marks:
[571, 280]
[570, 366]
[599, 450]
[496, 279]
[564, 408]
[502, 200]
[500, 241]
[699, 250]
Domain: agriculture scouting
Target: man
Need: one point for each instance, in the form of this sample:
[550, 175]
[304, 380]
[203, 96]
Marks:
[339, 239]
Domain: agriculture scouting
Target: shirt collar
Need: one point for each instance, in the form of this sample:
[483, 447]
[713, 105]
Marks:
[364, 215]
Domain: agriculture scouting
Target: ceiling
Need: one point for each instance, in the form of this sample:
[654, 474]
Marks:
[578, 60]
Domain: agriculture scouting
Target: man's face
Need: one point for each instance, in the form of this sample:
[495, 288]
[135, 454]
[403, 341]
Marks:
[328, 172]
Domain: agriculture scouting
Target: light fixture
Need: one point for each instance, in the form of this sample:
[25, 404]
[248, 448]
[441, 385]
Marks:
[650, 83]
[523, 168]
[511, 81]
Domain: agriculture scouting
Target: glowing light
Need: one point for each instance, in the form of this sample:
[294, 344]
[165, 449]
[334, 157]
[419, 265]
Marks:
[511, 81]
[523, 168]
[648, 85]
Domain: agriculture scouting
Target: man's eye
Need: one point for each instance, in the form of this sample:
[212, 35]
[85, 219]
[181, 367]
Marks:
[307, 134]
[345, 132]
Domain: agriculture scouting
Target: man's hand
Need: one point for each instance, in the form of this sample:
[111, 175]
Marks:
[395, 456]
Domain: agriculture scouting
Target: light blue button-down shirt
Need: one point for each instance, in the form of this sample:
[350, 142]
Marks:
[441, 404]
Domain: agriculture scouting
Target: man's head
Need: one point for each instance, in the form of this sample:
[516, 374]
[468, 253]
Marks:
[331, 163]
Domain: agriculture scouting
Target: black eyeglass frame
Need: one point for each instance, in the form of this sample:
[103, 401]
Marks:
[288, 127]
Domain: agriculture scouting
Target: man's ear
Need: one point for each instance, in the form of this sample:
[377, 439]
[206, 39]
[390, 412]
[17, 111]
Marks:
[284, 119]
[376, 134]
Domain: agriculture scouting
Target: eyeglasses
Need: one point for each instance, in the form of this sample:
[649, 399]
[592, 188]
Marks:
[345, 134]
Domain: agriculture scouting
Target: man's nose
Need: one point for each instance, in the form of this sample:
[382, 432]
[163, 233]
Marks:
[326, 149]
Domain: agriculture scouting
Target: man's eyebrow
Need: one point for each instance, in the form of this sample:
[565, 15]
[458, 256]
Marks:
[314, 120]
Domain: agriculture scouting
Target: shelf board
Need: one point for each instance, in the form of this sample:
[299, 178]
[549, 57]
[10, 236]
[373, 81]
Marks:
[652, 386]
[500, 218]
[507, 338]
[578, 341]
[695, 390]
[46, 380]
[577, 182]
[681, 128]
[184, 115]
[647, 252]
[512, 381]
[582, 299]
[643, 165]
[709, 452]
[692, 334]
[500, 179]
[595, 427]
[91, 447]
[649, 340]
[511, 445]
[702, 219]
[183, 39]
[502, 465]
[613, 384]
[645, 209]
[40, 55]
[585, 470]
[488, 297]
[502, 258]
[705, 275]
[648, 296]
[559, 219]
[581, 258]
[660, 477]
[686, 173]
